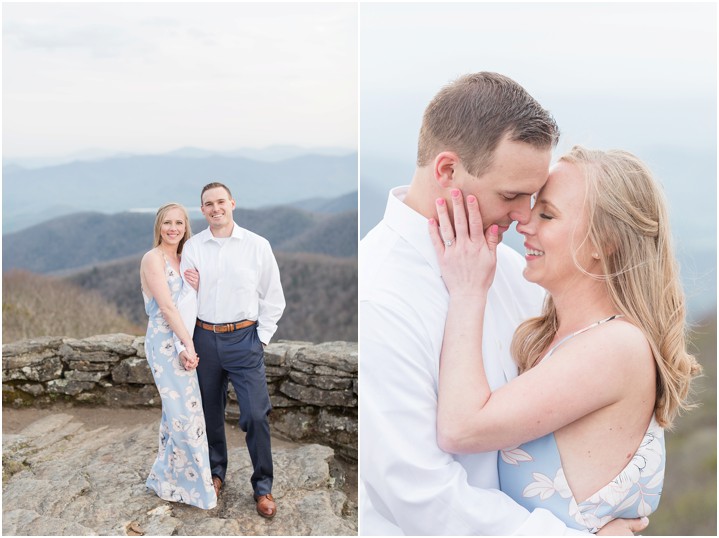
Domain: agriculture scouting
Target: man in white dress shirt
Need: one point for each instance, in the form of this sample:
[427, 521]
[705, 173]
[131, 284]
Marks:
[486, 136]
[239, 302]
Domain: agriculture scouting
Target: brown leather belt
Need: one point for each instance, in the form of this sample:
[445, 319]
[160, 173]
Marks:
[225, 327]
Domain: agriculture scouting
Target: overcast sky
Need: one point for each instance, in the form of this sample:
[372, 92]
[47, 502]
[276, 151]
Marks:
[613, 74]
[152, 77]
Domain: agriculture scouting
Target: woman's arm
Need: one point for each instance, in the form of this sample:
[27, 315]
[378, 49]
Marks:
[468, 262]
[152, 269]
[192, 277]
[584, 375]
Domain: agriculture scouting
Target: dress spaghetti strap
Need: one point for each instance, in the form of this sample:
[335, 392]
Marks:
[580, 331]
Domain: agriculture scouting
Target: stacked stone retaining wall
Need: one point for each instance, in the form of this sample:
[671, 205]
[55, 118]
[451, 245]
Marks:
[313, 387]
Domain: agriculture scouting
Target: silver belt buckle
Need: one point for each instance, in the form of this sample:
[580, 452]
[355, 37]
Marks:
[214, 328]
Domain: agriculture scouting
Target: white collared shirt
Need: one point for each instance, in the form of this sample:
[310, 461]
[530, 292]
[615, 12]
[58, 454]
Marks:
[239, 280]
[407, 484]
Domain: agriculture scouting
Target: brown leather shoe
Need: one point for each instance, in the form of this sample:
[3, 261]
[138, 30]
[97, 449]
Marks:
[217, 482]
[266, 506]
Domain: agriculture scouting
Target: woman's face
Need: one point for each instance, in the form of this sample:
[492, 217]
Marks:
[556, 231]
[172, 228]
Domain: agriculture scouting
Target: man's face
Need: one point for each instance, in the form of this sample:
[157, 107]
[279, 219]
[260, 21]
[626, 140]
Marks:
[217, 207]
[504, 192]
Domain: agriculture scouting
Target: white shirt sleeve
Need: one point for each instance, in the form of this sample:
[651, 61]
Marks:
[408, 479]
[271, 297]
[187, 301]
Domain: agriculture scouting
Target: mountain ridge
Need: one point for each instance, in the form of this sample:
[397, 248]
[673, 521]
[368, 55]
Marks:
[275, 152]
[121, 183]
[85, 239]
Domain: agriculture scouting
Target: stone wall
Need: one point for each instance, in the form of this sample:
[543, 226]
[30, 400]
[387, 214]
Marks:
[313, 387]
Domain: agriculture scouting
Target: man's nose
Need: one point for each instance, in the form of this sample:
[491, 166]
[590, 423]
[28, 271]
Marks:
[521, 211]
[527, 227]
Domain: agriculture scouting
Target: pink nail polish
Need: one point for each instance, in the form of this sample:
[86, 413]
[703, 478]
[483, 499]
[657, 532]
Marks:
[440, 201]
[455, 193]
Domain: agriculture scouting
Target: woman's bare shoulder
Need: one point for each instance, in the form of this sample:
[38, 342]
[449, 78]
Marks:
[619, 344]
[151, 258]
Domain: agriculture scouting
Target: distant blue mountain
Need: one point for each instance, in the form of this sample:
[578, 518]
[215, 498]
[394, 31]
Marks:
[346, 202]
[270, 153]
[117, 184]
[88, 238]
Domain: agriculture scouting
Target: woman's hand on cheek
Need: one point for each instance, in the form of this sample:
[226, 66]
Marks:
[467, 255]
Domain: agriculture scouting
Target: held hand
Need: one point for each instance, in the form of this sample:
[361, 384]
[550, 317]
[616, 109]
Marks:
[624, 527]
[467, 256]
[189, 360]
[184, 359]
[192, 276]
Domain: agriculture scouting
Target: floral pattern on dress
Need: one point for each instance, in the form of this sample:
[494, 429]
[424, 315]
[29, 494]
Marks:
[181, 471]
[514, 455]
[532, 475]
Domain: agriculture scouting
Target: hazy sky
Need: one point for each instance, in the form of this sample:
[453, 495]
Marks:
[151, 77]
[627, 75]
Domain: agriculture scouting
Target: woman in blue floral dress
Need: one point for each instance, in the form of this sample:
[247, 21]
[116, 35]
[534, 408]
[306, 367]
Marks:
[604, 368]
[181, 472]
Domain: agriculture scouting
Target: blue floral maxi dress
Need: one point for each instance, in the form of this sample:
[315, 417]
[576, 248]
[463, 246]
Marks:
[181, 472]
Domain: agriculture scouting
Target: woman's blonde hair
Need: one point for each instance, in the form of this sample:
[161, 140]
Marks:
[160, 217]
[628, 225]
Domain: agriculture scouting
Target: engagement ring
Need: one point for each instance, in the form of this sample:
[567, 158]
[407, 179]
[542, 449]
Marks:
[448, 242]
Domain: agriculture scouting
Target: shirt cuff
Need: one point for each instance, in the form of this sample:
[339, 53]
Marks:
[179, 346]
[264, 335]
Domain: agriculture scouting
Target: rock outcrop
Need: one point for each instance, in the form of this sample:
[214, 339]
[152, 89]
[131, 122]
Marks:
[313, 387]
[61, 478]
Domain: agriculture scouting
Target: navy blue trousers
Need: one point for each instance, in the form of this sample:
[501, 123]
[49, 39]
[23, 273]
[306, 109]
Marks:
[237, 356]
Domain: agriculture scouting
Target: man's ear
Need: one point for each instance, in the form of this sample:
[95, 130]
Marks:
[445, 166]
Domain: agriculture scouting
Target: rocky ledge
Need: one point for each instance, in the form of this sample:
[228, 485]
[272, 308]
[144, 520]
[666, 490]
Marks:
[61, 478]
[313, 387]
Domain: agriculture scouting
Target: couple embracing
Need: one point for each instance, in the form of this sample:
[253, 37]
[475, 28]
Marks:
[454, 441]
[213, 302]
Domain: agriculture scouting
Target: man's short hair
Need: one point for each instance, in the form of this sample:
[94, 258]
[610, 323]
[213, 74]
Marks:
[471, 115]
[214, 185]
